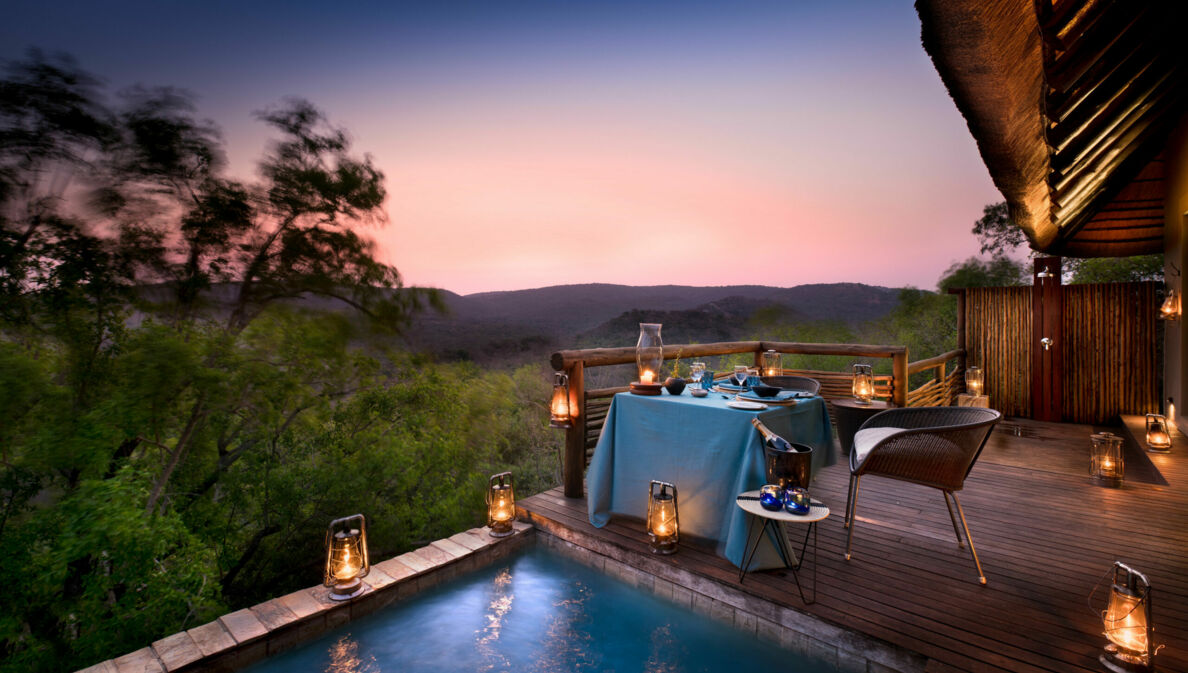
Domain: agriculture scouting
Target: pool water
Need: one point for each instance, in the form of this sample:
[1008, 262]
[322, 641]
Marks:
[536, 611]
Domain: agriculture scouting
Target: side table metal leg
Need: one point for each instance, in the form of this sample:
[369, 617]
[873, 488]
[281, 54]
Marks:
[796, 570]
[749, 549]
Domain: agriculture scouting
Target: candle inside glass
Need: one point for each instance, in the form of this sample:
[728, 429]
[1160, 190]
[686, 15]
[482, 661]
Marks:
[647, 376]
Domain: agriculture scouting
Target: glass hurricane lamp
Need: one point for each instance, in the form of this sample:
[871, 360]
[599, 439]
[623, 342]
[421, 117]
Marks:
[649, 353]
[1106, 465]
[975, 380]
[664, 528]
[501, 504]
[771, 363]
[346, 557]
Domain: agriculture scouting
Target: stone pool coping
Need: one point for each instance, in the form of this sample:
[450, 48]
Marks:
[241, 638]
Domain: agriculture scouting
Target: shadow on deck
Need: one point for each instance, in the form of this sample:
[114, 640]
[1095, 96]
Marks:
[1044, 532]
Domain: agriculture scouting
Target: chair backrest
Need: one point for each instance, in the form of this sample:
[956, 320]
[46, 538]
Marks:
[794, 383]
[940, 448]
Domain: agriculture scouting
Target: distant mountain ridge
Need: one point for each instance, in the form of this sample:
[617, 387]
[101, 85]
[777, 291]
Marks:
[490, 325]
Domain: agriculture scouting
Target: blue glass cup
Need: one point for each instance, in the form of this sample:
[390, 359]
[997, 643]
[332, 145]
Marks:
[753, 380]
[707, 380]
[797, 501]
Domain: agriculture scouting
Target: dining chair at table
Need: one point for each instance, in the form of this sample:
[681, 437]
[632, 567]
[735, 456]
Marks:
[931, 446]
[804, 383]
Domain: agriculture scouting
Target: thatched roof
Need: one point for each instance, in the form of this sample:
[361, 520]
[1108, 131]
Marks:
[1071, 103]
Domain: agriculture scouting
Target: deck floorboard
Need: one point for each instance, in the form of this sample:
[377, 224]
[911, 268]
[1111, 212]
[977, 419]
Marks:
[1044, 535]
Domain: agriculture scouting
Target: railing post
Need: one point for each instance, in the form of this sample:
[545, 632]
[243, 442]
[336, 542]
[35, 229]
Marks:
[573, 464]
[899, 378]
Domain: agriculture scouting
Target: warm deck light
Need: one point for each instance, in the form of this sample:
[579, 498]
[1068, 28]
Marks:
[1105, 460]
[863, 383]
[1127, 623]
[771, 363]
[346, 557]
[1158, 438]
[663, 522]
[560, 415]
[501, 504]
[975, 379]
[1170, 310]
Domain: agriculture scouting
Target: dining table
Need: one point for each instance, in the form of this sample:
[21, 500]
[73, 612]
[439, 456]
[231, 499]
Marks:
[710, 451]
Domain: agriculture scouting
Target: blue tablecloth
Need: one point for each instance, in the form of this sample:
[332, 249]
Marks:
[708, 450]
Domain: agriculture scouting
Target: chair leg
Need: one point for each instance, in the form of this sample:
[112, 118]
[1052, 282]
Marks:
[981, 575]
[849, 502]
[853, 514]
[953, 518]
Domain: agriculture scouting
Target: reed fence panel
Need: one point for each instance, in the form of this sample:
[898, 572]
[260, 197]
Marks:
[998, 339]
[1110, 356]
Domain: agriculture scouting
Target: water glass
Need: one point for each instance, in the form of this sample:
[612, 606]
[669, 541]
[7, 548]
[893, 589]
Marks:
[695, 371]
[707, 379]
[753, 380]
[740, 374]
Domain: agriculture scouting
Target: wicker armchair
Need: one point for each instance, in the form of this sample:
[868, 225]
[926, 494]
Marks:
[794, 383]
[932, 446]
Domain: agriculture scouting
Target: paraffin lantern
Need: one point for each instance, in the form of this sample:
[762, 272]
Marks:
[975, 380]
[649, 353]
[346, 557]
[1127, 623]
[559, 412]
[1170, 309]
[863, 383]
[771, 363]
[1158, 438]
[501, 504]
[663, 523]
[1105, 459]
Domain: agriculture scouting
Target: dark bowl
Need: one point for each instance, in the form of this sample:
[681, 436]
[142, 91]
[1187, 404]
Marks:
[763, 390]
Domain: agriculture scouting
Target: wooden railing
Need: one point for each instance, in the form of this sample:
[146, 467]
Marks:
[590, 407]
[944, 385]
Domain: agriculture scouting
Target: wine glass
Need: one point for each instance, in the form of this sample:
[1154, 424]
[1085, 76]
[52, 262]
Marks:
[740, 374]
[695, 371]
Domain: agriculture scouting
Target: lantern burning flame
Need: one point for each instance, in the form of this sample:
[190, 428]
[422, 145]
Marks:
[863, 383]
[1127, 622]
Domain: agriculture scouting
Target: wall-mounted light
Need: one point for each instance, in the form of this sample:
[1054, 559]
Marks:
[560, 415]
[346, 557]
[501, 504]
[863, 386]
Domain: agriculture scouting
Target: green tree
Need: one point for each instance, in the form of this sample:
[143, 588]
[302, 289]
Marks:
[999, 271]
[996, 232]
[1115, 269]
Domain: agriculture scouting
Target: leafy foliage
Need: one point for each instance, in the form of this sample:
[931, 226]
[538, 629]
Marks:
[174, 435]
[1115, 269]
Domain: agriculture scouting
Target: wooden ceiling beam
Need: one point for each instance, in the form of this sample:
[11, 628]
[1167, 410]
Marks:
[1062, 25]
[1142, 108]
[1071, 65]
[1088, 102]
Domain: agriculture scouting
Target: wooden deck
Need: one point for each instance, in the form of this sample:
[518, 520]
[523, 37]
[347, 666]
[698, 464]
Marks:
[1044, 533]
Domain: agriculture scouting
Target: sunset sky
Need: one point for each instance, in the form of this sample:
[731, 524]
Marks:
[545, 143]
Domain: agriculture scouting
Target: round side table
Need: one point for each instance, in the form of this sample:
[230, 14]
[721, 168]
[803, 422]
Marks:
[851, 414]
[749, 503]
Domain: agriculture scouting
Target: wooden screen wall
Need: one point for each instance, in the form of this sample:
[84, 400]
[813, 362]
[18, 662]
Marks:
[1110, 356]
[998, 339]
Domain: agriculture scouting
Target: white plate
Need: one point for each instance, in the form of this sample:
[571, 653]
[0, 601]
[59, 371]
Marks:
[748, 406]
